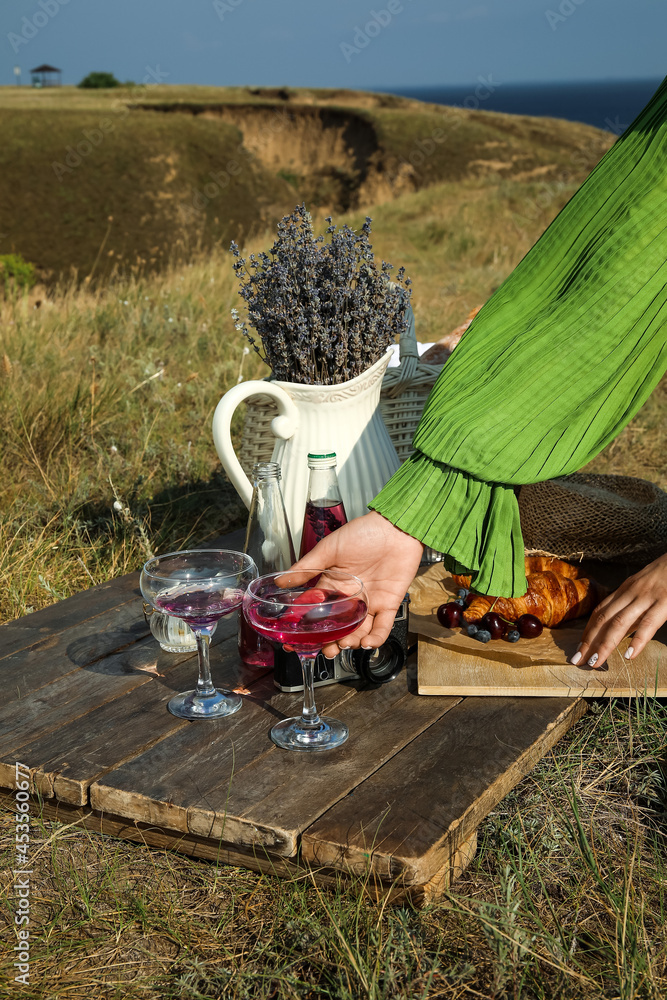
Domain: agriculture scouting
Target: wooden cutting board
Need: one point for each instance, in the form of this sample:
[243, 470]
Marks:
[451, 662]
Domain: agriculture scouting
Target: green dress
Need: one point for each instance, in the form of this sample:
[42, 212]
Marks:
[557, 362]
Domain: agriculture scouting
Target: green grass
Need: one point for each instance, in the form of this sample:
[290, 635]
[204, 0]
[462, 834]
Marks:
[122, 180]
[109, 392]
[131, 203]
[103, 392]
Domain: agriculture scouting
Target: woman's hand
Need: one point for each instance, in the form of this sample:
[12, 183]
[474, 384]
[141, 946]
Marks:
[639, 606]
[383, 557]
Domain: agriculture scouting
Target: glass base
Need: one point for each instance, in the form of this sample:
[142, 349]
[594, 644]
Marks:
[178, 649]
[190, 705]
[291, 734]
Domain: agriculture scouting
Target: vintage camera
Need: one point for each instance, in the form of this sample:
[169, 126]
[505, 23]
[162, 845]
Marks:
[375, 665]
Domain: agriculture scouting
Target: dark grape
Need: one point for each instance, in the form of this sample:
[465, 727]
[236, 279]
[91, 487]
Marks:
[449, 615]
[273, 608]
[483, 635]
[469, 599]
[529, 626]
[513, 635]
[472, 629]
[494, 625]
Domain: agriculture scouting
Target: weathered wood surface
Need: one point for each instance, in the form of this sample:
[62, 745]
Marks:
[417, 810]
[257, 859]
[65, 761]
[86, 710]
[46, 716]
[74, 610]
[247, 790]
[64, 651]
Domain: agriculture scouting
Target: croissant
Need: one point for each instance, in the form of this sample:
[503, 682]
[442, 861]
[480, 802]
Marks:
[551, 597]
[534, 564]
[538, 564]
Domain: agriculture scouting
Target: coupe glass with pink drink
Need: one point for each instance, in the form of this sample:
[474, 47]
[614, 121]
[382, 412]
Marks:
[200, 586]
[305, 611]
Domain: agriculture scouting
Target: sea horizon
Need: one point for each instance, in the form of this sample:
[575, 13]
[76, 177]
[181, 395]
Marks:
[609, 104]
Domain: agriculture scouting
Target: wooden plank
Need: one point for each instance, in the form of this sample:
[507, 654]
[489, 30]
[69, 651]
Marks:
[287, 791]
[414, 813]
[250, 792]
[63, 652]
[198, 763]
[151, 835]
[54, 618]
[119, 629]
[465, 672]
[82, 691]
[71, 697]
[258, 859]
[439, 883]
[66, 762]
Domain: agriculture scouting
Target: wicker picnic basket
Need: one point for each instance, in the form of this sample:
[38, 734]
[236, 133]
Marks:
[404, 392]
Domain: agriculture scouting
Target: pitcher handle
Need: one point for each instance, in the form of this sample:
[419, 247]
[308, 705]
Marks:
[283, 426]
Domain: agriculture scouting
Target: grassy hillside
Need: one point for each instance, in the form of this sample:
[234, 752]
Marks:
[106, 397]
[129, 203]
[126, 180]
[115, 387]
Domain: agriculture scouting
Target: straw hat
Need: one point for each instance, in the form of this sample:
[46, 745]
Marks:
[589, 516]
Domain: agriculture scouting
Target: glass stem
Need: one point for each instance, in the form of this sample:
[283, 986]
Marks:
[309, 717]
[205, 685]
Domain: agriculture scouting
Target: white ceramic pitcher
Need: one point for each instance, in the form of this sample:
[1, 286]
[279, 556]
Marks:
[343, 418]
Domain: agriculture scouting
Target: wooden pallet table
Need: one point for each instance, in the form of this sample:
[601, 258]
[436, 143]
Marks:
[85, 693]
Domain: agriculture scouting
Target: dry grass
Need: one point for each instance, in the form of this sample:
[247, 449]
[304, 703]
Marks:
[116, 387]
[566, 896]
[175, 168]
[566, 899]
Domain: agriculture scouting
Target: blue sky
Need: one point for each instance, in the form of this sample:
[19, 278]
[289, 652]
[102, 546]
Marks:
[332, 43]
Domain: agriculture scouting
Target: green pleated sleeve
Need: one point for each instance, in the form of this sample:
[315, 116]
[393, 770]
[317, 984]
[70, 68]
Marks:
[557, 362]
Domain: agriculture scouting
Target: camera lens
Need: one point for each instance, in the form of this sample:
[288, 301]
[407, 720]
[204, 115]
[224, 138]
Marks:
[346, 661]
[382, 664]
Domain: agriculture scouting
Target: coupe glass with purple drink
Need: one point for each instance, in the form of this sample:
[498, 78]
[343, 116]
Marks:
[200, 586]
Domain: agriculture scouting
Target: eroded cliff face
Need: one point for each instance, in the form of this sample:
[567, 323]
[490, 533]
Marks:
[182, 172]
[331, 155]
[344, 150]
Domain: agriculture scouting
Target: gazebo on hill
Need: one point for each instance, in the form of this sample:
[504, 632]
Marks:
[45, 76]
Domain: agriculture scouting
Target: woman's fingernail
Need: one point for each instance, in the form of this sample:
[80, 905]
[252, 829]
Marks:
[593, 660]
[366, 647]
[575, 659]
[628, 653]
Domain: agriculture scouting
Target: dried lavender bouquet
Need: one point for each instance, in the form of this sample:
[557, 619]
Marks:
[323, 310]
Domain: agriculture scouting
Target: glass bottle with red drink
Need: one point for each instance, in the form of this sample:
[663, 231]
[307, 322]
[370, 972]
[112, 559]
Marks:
[324, 504]
[269, 543]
